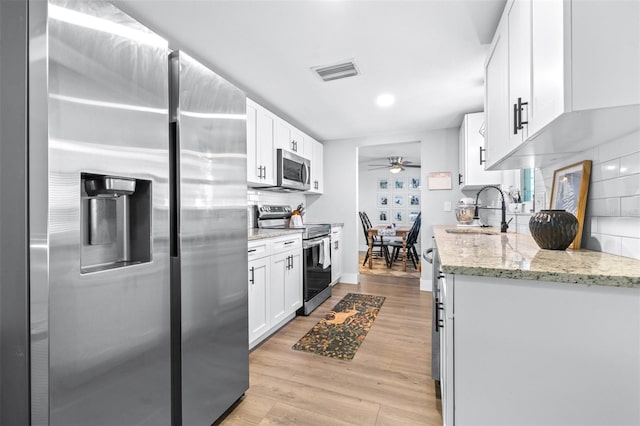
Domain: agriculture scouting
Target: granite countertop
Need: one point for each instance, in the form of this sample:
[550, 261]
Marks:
[511, 255]
[257, 234]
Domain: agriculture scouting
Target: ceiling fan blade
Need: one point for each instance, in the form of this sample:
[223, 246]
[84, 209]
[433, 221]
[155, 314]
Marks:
[412, 165]
[381, 167]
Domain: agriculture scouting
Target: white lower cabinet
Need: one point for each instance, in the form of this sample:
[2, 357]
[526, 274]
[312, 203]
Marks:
[275, 284]
[534, 352]
[259, 274]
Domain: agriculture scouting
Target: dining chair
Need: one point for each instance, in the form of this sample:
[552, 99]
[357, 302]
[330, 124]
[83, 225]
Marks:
[412, 239]
[378, 241]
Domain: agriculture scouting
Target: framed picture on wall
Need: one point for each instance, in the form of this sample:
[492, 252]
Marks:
[383, 183]
[383, 216]
[398, 183]
[569, 192]
[383, 199]
[414, 183]
[398, 216]
[414, 200]
[398, 200]
[413, 215]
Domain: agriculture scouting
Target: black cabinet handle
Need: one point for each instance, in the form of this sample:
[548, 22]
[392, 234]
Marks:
[515, 119]
[289, 242]
[252, 250]
[460, 180]
[482, 160]
[520, 105]
[252, 279]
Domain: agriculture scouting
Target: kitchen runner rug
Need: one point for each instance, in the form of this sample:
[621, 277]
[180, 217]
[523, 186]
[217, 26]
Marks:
[341, 332]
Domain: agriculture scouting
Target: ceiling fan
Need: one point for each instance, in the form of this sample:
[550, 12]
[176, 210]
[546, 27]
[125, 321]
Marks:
[396, 165]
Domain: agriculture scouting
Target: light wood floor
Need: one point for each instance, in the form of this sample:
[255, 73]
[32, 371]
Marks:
[387, 382]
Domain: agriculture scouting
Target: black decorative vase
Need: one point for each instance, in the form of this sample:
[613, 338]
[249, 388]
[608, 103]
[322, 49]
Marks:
[553, 229]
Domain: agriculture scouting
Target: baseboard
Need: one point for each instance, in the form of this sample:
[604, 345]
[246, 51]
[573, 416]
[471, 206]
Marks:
[425, 285]
[350, 278]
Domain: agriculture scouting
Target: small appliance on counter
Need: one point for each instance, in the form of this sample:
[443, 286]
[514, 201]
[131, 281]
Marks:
[316, 247]
[465, 213]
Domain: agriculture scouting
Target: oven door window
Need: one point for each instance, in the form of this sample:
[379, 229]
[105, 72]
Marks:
[316, 278]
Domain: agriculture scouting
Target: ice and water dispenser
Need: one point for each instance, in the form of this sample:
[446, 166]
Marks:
[116, 222]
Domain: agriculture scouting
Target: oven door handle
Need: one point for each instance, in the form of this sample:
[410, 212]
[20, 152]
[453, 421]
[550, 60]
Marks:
[312, 243]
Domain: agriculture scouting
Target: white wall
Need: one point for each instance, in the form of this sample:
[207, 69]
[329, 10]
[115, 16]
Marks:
[439, 154]
[612, 217]
[340, 203]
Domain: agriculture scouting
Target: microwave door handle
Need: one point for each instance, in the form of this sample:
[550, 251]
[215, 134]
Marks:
[304, 173]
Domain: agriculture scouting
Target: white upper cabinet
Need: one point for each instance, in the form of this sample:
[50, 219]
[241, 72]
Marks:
[519, 36]
[260, 145]
[472, 155]
[289, 138]
[317, 164]
[573, 66]
[267, 132]
[497, 111]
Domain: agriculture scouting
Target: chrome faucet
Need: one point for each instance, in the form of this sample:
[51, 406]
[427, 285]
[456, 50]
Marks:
[503, 224]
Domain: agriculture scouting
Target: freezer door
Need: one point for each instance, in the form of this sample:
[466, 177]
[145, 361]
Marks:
[98, 107]
[211, 139]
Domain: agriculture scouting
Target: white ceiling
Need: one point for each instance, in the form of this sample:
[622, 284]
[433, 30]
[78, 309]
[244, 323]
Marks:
[429, 54]
[379, 154]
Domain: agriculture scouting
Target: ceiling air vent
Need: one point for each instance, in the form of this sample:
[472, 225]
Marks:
[338, 71]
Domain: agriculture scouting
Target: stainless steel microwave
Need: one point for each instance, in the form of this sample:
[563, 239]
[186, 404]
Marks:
[293, 171]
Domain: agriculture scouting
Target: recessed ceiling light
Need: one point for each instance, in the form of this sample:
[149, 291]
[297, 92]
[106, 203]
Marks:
[385, 100]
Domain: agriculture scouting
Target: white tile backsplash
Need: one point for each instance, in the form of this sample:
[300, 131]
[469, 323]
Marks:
[630, 206]
[608, 170]
[273, 197]
[605, 207]
[612, 218]
[630, 165]
[630, 247]
[619, 148]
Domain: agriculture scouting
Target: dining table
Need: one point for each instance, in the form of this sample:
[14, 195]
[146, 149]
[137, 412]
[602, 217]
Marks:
[400, 231]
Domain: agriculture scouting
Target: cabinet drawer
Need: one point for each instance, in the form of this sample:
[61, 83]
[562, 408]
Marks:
[289, 242]
[259, 248]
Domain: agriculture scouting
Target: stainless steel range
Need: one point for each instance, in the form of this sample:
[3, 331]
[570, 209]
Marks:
[316, 246]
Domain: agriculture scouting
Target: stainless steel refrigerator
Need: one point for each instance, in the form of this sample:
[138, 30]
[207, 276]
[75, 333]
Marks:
[135, 219]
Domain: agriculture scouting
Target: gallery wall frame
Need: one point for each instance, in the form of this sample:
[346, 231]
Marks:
[383, 199]
[569, 192]
[383, 184]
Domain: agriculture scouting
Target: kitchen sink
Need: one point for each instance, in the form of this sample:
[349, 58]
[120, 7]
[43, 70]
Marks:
[474, 230]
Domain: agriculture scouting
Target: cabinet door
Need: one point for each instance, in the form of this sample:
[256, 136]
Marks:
[254, 172]
[265, 131]
[259, 275]
[279, 271]
[317, 159]
[497, 99]
[298, 143]
[519, 30]
[474, 154]
[447, 352]
[283, 135]
[548, 73]
[293, 282]
[336, 254]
